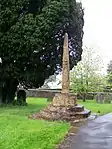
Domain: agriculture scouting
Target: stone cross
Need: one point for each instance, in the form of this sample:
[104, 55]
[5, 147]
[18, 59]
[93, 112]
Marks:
[65, 66]
[64, 98]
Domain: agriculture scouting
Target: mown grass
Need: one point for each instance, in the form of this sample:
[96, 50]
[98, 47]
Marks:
[101, 109]
[18, 132]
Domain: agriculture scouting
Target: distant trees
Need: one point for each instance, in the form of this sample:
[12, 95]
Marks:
[87, 76]
[109, 67]
[109, 74]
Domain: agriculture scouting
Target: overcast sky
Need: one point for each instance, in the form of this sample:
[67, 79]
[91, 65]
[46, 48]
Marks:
[98, 27]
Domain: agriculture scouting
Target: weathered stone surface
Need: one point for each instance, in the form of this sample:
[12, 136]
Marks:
[65, 67]
[61, 113]
[64, 99]
[64, 105]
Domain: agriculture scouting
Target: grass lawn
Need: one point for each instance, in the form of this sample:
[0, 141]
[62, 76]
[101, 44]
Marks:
[18, 132]
[95, 107]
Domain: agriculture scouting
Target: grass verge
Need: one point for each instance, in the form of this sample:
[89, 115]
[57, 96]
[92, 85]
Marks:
[97, 108]
[18, 132]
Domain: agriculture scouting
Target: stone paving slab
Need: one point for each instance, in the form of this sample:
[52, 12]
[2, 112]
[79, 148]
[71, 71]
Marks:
[96, 134]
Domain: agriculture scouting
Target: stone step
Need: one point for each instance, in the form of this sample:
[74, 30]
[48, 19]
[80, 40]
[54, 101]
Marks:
[61, 113]
[77, 108]
[83, 114]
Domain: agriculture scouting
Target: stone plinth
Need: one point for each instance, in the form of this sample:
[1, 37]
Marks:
[70, 114]
[64, 99]
[63, 107]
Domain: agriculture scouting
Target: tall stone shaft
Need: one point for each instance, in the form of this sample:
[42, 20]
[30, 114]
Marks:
[65, 66]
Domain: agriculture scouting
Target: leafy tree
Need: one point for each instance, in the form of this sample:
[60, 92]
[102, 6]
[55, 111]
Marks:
[109, 67]
[109, 75]
[31, 40]
[86, 76]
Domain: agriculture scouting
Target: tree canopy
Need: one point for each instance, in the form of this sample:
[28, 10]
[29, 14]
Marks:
[31, 39]
[86, 76]
[109, 74]
[109, 67]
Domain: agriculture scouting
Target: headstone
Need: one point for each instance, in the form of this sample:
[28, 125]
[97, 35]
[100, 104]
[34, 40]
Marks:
[103, 97]
[99, 97]
[107, 97]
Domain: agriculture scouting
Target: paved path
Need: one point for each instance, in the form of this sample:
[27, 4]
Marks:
[97, 134]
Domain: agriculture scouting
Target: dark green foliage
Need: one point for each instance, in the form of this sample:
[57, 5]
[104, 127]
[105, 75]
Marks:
[109, 80]
[31, 38]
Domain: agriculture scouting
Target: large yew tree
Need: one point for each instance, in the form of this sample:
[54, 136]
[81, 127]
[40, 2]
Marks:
[31, 40]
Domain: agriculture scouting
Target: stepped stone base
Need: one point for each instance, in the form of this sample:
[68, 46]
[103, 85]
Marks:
[64, 107]
[53, 113]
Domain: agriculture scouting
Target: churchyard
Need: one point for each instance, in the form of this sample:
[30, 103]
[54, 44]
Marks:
[99, 109]
[43, 124]
[18, 131]
[39, 39]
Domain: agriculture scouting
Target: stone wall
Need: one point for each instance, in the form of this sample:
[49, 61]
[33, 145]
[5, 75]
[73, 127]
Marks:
[42, 93]
[49, 93]
[39, 93]
[88, 96]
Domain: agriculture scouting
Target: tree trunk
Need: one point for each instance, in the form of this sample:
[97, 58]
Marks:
[0, 96]
[84, 97]
[7, 90]
[21, 97]
[11, 90]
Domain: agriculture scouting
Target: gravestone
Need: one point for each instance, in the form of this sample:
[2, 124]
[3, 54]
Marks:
[103, 97]
[99, 97]
[107, 97]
